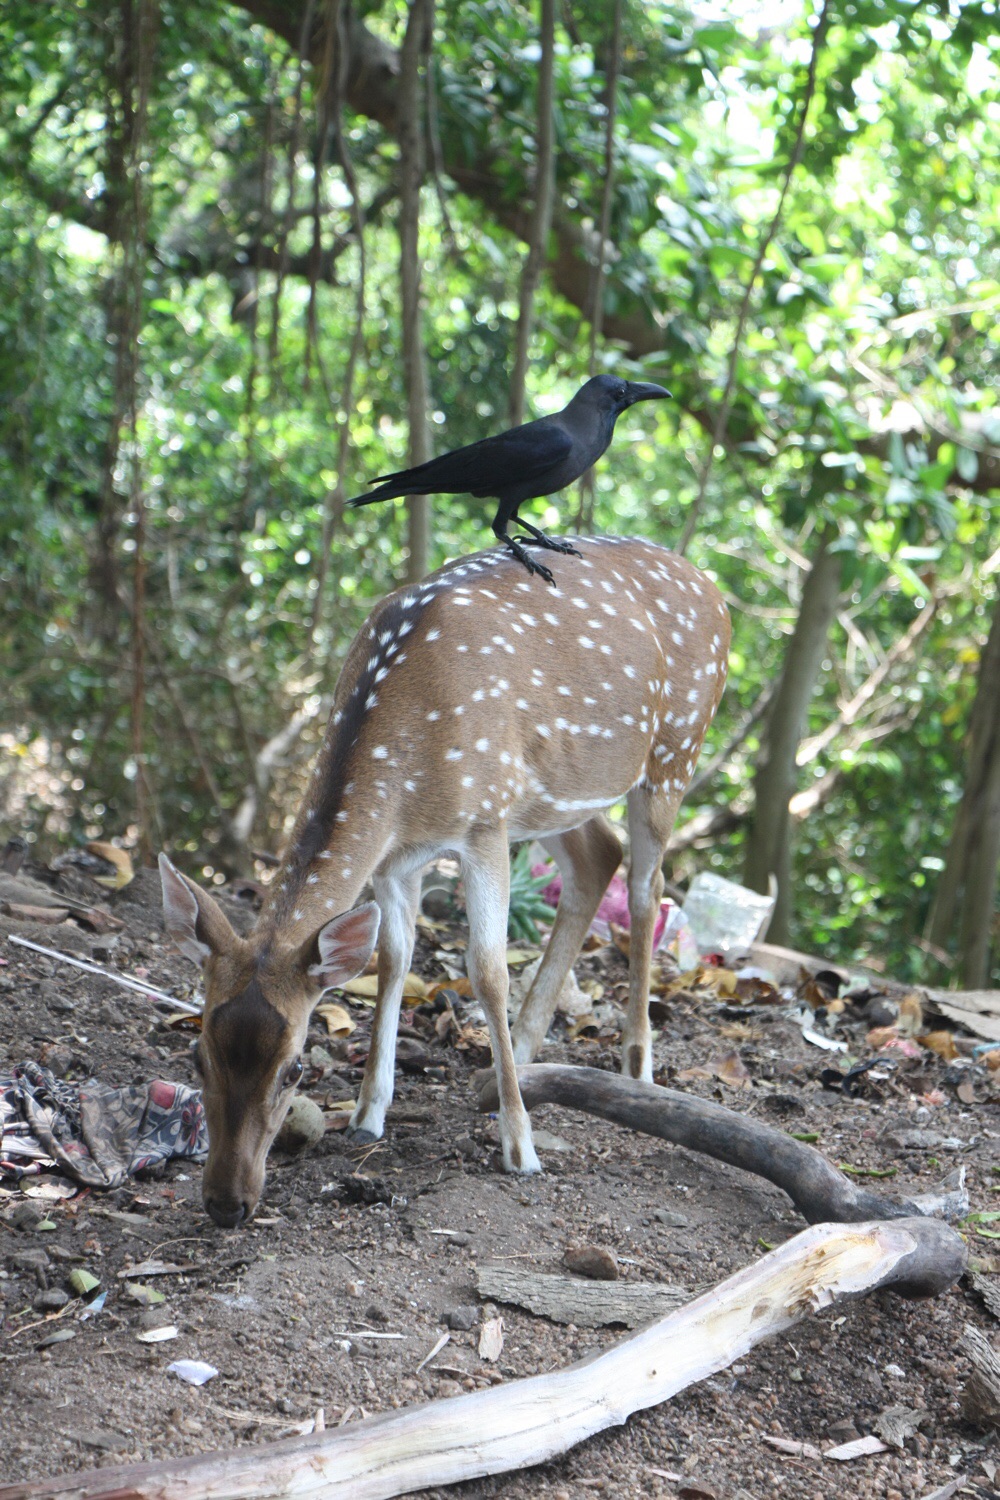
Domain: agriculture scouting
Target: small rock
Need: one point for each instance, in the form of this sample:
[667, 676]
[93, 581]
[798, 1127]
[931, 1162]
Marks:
[881, 1012]
[922, 1140]
[546, 1141]
[59, 1060]
[101, 1438]
[669, 1217]
[53, 1299]
[28, 1260]
[54, 999]
[304, 1125]
[843, 1431]
[155, 1317]
[110, 1015]
[594, 1261]
[781, 1105]
[466, 1146]
[26, 1216]
[461, 1319]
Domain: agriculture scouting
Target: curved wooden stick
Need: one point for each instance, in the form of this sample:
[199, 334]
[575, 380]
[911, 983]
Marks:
[821, 1193]
[529, 1421]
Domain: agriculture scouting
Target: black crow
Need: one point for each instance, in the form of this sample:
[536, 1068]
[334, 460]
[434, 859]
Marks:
[525, 462]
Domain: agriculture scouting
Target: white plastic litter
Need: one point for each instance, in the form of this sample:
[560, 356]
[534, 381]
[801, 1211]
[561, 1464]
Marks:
[194, 1371]
[726, 917]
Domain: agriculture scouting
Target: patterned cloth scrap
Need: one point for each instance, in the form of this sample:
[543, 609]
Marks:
[93, 1132]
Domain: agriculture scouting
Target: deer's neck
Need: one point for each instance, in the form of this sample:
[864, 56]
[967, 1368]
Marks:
[350, 810]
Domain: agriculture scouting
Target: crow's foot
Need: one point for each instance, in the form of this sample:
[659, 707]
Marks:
[528, 562]
[538, 538]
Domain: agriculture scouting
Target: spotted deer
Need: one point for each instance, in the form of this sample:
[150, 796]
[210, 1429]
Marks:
[475, 708]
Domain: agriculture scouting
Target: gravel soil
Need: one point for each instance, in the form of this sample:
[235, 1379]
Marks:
[285, 1308]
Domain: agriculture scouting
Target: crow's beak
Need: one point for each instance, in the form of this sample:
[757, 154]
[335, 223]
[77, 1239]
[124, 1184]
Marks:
[640, 390]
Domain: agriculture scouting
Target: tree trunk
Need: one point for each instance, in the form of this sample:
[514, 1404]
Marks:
[416, 45]
[769, 848]
[966, 894]
[541, 218]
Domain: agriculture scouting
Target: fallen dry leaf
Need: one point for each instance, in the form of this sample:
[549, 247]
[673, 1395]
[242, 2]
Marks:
[491, 1339]
[585, 1025]
[729, 1068]
[941, 1042]
[117, 858]
[460, 987]
[338, 1022]
[757, 992]
[737, 1031]
[518, 956]
[180, 1020]
[365, 987]
[52, 915]
[911, 1015]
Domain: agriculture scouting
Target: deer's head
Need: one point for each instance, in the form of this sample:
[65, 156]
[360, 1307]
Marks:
[259, 995]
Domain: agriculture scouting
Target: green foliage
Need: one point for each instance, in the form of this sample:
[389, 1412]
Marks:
[527, 908]
[865, 388]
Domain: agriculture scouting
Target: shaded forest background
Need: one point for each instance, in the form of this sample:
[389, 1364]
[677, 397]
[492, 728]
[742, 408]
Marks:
[253, 253]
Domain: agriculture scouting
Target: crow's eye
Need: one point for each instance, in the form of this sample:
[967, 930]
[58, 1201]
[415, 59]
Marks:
[293, 1073]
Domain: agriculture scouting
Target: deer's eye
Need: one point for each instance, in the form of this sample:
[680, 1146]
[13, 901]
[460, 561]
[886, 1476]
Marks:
[292, 1074]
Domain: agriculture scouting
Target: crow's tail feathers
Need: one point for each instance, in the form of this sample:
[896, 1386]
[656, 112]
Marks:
[384, 492]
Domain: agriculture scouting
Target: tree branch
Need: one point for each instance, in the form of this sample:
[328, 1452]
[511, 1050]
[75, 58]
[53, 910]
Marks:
[722, 416]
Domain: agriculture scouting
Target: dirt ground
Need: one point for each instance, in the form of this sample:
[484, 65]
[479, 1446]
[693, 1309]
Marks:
[285, 1308]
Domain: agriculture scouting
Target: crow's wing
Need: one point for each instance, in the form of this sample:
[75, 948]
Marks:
[483, 467]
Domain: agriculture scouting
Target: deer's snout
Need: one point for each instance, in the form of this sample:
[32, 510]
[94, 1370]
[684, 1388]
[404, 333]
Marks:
[228, 1212]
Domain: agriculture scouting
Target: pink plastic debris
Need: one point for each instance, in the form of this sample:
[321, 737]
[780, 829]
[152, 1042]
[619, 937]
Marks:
[613, 907]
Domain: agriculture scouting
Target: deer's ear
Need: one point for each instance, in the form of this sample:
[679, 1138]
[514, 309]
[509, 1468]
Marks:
[343, 947]
[194, 922]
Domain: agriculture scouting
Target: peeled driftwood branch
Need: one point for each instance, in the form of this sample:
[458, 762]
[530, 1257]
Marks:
[529, 1421]
[821, 1193]
[568, 1299]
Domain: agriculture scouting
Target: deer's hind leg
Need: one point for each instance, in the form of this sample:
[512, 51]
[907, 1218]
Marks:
[587, 857]
[651, 814]
[398, 897]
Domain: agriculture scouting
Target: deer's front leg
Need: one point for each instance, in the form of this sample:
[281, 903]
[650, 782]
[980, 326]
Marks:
[398, 897]
[486, 873]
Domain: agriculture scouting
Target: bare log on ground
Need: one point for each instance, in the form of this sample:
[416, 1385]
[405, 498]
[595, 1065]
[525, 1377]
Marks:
[529, 1421]
[569, 1299]
[821, 1193]
[981, 1397]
